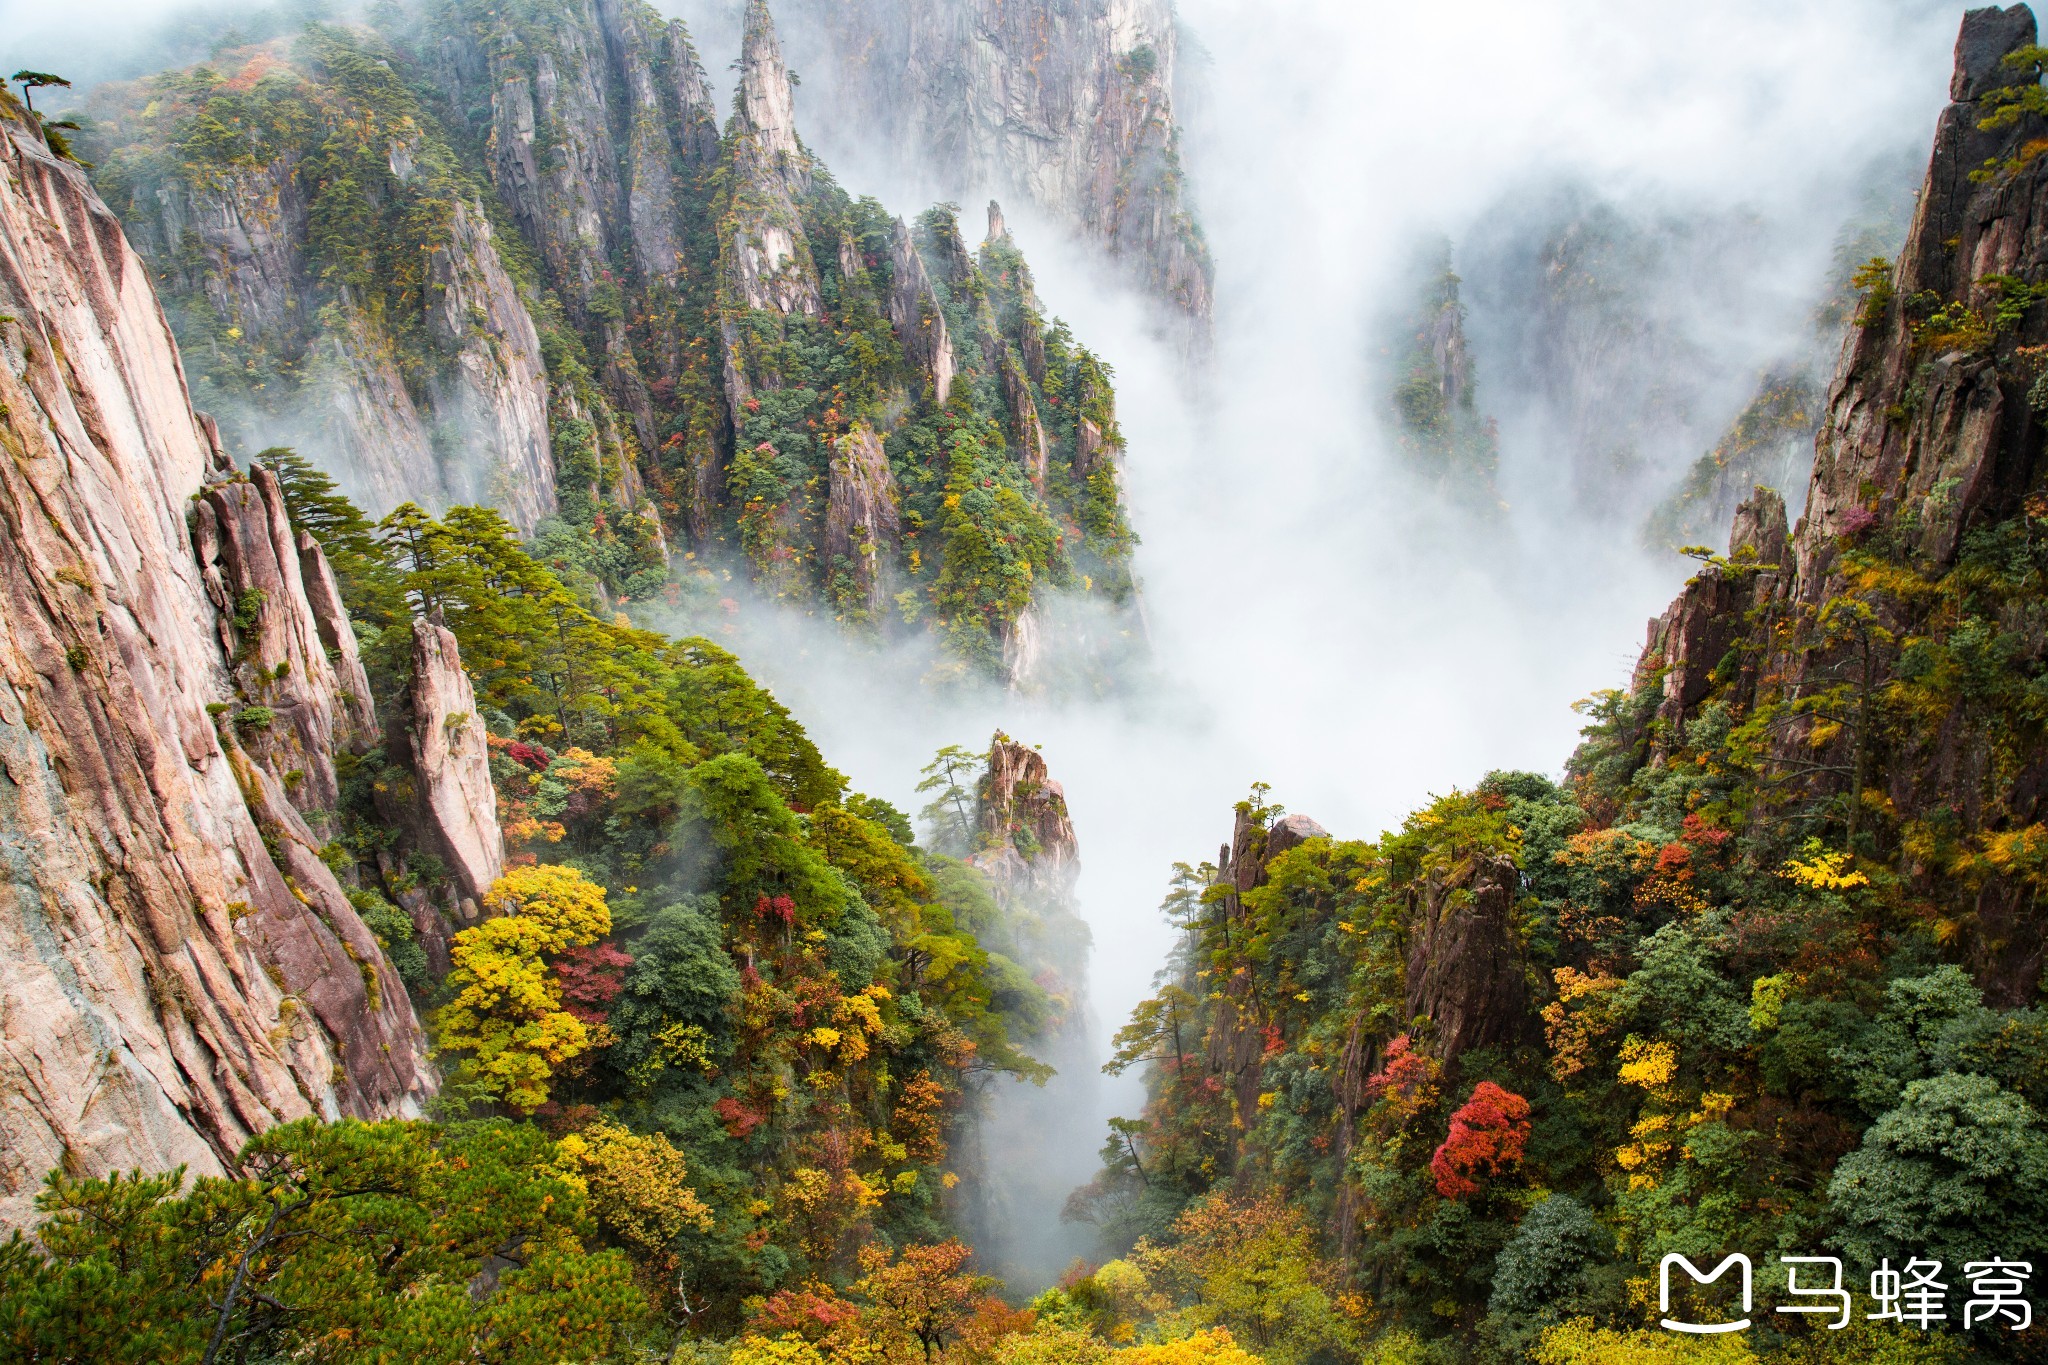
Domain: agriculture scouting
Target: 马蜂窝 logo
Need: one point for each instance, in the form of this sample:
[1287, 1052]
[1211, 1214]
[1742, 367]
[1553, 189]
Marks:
[1912, 1295]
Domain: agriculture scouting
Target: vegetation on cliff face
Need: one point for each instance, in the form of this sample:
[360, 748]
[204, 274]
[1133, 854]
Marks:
[1435, 409]
[1763, 974]
[354, 230]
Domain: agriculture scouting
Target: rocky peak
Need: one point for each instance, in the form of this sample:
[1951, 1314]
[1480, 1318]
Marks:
[1933, 431]
[451, 763]
[1028, 848]
[766, 102]
[1988, 36]
[1965, 236]
[769, 263]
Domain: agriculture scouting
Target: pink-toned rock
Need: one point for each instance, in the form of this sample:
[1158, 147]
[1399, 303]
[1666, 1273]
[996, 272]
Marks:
[254, 571]
[1027, 844]
[178, 969]
[451, 762]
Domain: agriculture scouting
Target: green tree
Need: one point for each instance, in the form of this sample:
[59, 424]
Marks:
[950, 813]
[1958, 1172]
[337, 1242]
[1540, 1276]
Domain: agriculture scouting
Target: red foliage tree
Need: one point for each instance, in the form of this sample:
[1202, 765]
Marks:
[1407, 1080]
[1487, 1133]
[813, 1311]
[591, 978]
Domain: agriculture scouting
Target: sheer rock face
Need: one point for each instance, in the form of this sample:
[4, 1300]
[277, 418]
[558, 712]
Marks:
[1027, 432]
[494, 400]
[861, 517]
[1069, 105]
[1960, 451]
[1024, 650]
[1928, 446]
[169, 984]
[1970, 435]
[451, 763]
[370, 428]
[255, 573]
[1465, 973]
[914, 313]
[1028, 847]
[361, 415]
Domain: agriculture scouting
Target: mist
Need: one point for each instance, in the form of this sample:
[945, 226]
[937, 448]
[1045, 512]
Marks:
[1315, 617]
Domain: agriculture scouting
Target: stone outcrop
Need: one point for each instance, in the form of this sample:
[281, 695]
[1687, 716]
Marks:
[915, 314]
[1465, 974]
[297, 708]
[1688, 642]
[1069, 107]
[179, 970]
[1026, 840]
[861, 520]
[1031, 858]
[451, 764]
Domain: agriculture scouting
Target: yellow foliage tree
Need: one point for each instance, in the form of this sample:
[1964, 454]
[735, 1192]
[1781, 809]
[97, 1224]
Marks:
[507, 1012]
[1579, 1342]
[637, 1186]
[1052, 1344]
[1213, 1347]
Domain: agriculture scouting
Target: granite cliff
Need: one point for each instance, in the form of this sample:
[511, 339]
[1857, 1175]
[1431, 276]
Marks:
[1069, 107]
[1851, 644]
[181, 967]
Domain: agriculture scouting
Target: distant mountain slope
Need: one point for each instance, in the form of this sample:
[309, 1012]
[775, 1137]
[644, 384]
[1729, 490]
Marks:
[504, 255]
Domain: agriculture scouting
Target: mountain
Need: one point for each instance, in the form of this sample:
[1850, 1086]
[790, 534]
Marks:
[1434, 414]
[505, 256]
[1069, 107]
[183, 969]
[281, 782]
[1761, 975]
